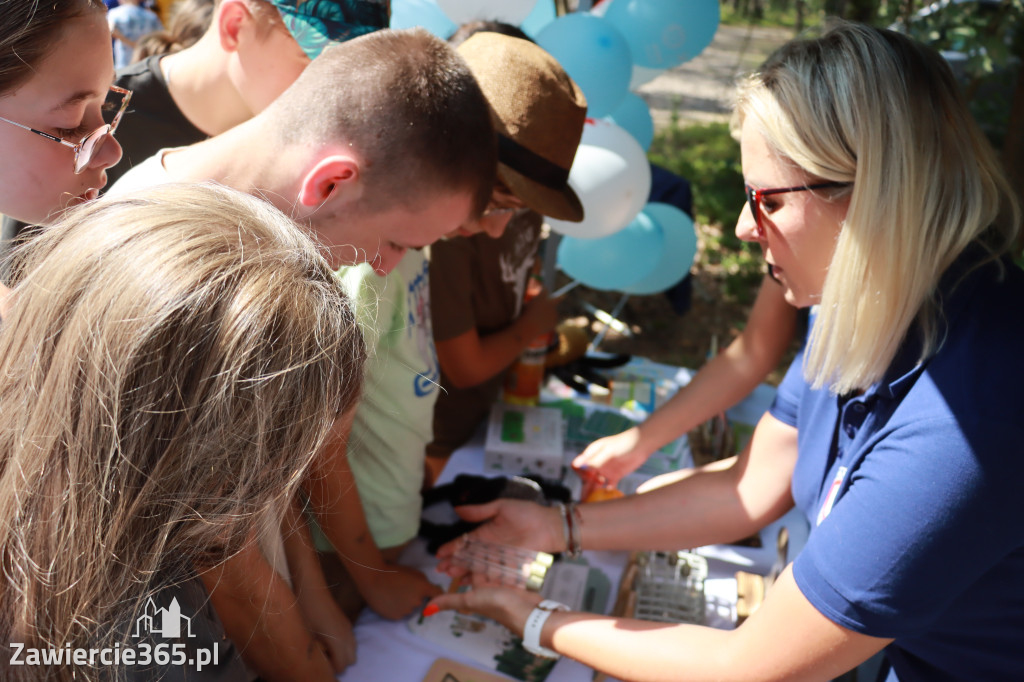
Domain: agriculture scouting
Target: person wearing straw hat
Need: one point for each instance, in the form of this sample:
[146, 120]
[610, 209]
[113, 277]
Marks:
[477, 284]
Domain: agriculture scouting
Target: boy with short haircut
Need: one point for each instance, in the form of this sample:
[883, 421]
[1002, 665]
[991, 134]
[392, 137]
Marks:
[374, 167]
[540, 112]
[371, 168]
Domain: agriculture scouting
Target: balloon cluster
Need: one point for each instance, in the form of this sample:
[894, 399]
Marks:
[623, 243]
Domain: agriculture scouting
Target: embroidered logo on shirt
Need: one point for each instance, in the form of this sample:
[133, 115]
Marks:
[830, 499]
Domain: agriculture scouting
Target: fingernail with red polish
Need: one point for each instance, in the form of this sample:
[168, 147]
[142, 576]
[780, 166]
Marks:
[430, 610]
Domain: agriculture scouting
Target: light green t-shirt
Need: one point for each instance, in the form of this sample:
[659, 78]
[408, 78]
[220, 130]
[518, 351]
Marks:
[393, 422]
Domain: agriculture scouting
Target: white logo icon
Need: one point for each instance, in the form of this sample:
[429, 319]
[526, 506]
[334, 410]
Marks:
[164, 622]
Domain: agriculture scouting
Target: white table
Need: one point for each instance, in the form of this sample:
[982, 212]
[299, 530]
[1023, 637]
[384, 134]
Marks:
[387, 651]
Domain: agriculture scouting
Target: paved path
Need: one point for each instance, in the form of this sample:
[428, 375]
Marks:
[701, 90]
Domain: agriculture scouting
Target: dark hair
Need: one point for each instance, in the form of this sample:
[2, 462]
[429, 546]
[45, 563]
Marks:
[408, 103]
[28, 29]
[482, 26]
[189, 21]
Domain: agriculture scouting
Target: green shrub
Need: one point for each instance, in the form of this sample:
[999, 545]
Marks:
[709, 158]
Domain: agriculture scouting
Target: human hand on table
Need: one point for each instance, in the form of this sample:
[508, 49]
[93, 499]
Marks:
[397, 591]
[609, 459]
[508, 522]
[506, 605]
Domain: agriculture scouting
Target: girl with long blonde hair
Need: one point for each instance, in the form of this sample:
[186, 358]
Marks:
[170, 365]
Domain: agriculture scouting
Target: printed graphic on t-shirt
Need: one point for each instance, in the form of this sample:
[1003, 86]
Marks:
[418, 328]
[515, 265]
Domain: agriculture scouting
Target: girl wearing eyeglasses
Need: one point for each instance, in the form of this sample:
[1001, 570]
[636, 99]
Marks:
[55, 74]
[57, 110]
[897, 431]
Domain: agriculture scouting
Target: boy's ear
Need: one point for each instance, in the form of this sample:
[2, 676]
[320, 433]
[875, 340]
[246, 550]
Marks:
[230, 16]
[337, 177]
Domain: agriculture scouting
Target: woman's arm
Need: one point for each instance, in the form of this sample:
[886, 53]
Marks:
[785, 639]
[712, 504]
[725, 380]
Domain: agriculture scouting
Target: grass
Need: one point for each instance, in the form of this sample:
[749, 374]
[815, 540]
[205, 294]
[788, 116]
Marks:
[778, 13]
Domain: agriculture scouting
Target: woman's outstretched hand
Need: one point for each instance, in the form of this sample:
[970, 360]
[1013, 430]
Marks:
[507, 522]
[506, 605]
[609, 459]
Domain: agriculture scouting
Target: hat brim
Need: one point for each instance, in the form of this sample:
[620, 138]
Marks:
[560, 204]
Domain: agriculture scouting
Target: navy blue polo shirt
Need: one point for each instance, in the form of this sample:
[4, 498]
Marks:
[915, 491]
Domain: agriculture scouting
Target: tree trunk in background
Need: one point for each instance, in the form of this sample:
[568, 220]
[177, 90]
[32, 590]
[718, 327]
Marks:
[907, 10]
[864, 11]
[1013, 145]
[835, 8]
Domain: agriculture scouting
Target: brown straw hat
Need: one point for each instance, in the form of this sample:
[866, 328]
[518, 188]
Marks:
[538, 114]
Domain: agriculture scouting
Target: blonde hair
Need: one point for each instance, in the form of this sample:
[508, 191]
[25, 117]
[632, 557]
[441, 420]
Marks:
[873, 108]
[172, 362]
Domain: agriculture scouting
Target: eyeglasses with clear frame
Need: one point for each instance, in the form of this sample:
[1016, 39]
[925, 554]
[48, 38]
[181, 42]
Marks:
[755, 196]
[513, 212]
[87, 148]
[503, 202]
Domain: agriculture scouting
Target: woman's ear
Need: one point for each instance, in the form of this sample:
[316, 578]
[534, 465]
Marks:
[334, 178]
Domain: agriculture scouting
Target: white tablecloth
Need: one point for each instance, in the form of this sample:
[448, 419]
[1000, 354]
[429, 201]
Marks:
[387, 651]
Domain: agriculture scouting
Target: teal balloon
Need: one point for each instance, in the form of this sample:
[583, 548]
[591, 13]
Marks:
[665, 33]
[616, 261]
[634, 116]
[678, 251]
[423, 13]
[543, 13]
[595, 54]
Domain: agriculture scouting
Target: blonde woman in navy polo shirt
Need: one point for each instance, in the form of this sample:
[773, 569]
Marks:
[897, 433]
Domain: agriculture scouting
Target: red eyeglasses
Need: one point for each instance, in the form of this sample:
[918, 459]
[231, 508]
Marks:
[755, 196]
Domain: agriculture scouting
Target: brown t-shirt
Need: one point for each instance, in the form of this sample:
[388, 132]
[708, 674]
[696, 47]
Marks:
[476, 282]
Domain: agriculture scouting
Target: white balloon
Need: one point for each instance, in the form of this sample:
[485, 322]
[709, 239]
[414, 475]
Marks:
[612, 178]
[509, 11]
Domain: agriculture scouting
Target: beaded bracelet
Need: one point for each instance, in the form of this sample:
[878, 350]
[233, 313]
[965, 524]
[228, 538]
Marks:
[565, 524]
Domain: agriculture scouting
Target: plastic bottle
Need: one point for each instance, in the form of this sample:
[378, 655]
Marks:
[524, 379]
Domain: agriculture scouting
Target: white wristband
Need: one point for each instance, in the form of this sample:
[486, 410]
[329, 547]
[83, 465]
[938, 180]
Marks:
[535, 623]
